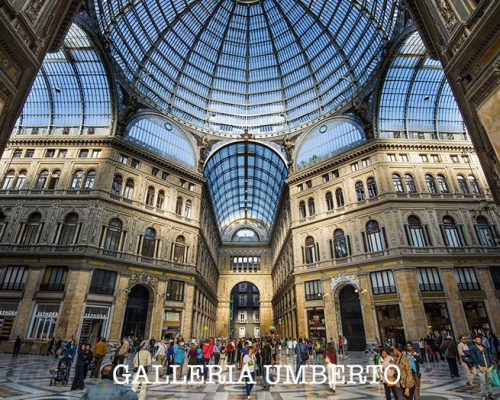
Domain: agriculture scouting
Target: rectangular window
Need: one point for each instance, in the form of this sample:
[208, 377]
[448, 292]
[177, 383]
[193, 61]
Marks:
[242, 287]
[44, 321]
[154, 171]
[62, 153]
[123, 159]
[245, 263]
[466, 279]
[424, 158]
[242, 300]
[17, 153]
[191, 187]
[326, 178]
[354, 167]
[366, 162]
[54, 279]
[435, 158]
[50, 153]
[429, 280]
[335, 173]
[182, 183]
[391, 157]
[465, 159]
[383, 282]
[314, 290]
[84, 153]
[134, 163]
[300, 187]
[454, 159]
[103, 282]
[29, 153]
[164, 175]
[255, 316]
[309, 184]
[243, 317]
[175, 290]
[403, 158]
[96, 153]
[495, 277]
[13, 278]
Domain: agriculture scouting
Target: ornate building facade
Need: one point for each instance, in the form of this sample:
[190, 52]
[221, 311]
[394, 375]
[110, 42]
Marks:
[323, 185]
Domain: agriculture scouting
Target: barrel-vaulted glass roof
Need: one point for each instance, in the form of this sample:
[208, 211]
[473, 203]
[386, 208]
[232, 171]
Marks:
[416, 100]
[71, 93]
[245, 180]
[265, 65]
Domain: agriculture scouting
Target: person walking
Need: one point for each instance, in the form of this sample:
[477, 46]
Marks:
[142, 358]
[50, 347]
[100, 351]
[78, 380]
[465, 360]
[340, 346]
[179, 357]
[216, 352]
[266, 360]
[122, 354]
[406, 384]
[289, 347]
[301, 353]
[230, 352]
[106, 389]
[415, 360]
[88, 357]
[192, 358]
[249, 363]
[450, 352]
[386, 360]
[70, 350]
[17, 346]
[207, 350]
[481, 359]
[161, 352]
[421, 349]
[330, 360]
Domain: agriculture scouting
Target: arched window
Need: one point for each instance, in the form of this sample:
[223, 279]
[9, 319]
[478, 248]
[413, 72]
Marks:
[89, 180]
[462, 184]
[474, 186]
[311, 250]
[179, 252]
[311, 206]
[150, 196]
[397, 183]
[188, 208]
[20, 179]
[76, 183]
[3, 224]
[430, 183]
[329, 201]
[340, 244]
[360, 191]
[8, 182]
[116, 188]
[485, 232]
[410, 184]
[178, 206]
[302, 209]
[451, 234]
[443, 186]
[54, 179]
[32, 229]
[416, 233]
[113, 233]
[128, 192]
[372, 187]
[69, 229]
[375, 236]
[42, 180]
[148, 243]
[160, 199]
[339, 197]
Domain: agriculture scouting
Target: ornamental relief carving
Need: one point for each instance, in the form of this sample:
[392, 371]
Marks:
[449, 17]
[143, 278]
[33, 9]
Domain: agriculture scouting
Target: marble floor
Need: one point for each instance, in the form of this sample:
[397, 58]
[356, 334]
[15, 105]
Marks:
[28, 377]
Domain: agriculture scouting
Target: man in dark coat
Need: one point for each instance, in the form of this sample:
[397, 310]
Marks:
[267, 359]
[78, 380]
[17, 347]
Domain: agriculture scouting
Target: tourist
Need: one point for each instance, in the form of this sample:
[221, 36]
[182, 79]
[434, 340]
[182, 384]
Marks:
[422, 350]
[465, 360]
[122, 353]
[249, 363]
[100, 351]
[481, 359]
[51, 346]
[17, 346]
[330, 360]
[142, 358]
[78, 380]
[450, 351]
[179, 357]
[415, 360]
[88, 357]
[302, 356]
[161, 352]
[406, 384]
[192, 358]
[230, 351]
[431, 344]
[340, 346]
[216, 353]
[70, 350]
[266, 360]
[289, 347]
[106, 389]
[386, 360]
[207, 350]
[170, 357]
[345, 348]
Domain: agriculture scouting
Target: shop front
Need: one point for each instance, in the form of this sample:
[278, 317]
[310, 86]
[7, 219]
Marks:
[171, 324]
[316, 323]
[390, 324]
[95, 323]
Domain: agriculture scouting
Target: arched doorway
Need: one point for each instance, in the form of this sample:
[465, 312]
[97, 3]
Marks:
[244, 311]
[136, 313]
[352, 318]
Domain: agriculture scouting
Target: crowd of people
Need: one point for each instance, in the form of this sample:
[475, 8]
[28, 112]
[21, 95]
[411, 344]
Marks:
[477, 359]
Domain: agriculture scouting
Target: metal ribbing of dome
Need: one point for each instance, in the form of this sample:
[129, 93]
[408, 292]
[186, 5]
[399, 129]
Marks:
[227, 65]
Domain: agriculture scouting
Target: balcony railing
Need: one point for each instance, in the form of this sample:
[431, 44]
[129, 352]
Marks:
[12, 286]
[52, 287]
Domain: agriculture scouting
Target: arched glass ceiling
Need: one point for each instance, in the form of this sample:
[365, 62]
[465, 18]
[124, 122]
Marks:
[416, 100]
[265, 65]
[162, 137]
[245, 180]
[71, 93]
[328, 139]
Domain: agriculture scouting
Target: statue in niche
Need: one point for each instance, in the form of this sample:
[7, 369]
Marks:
[288, 144]
[204, 144]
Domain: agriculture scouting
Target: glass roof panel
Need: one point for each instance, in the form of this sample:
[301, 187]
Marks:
[71, 93]
[266, 65]
[416, 99]
[245, 180]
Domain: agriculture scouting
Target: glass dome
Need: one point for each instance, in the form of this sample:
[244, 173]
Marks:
[264, 65]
